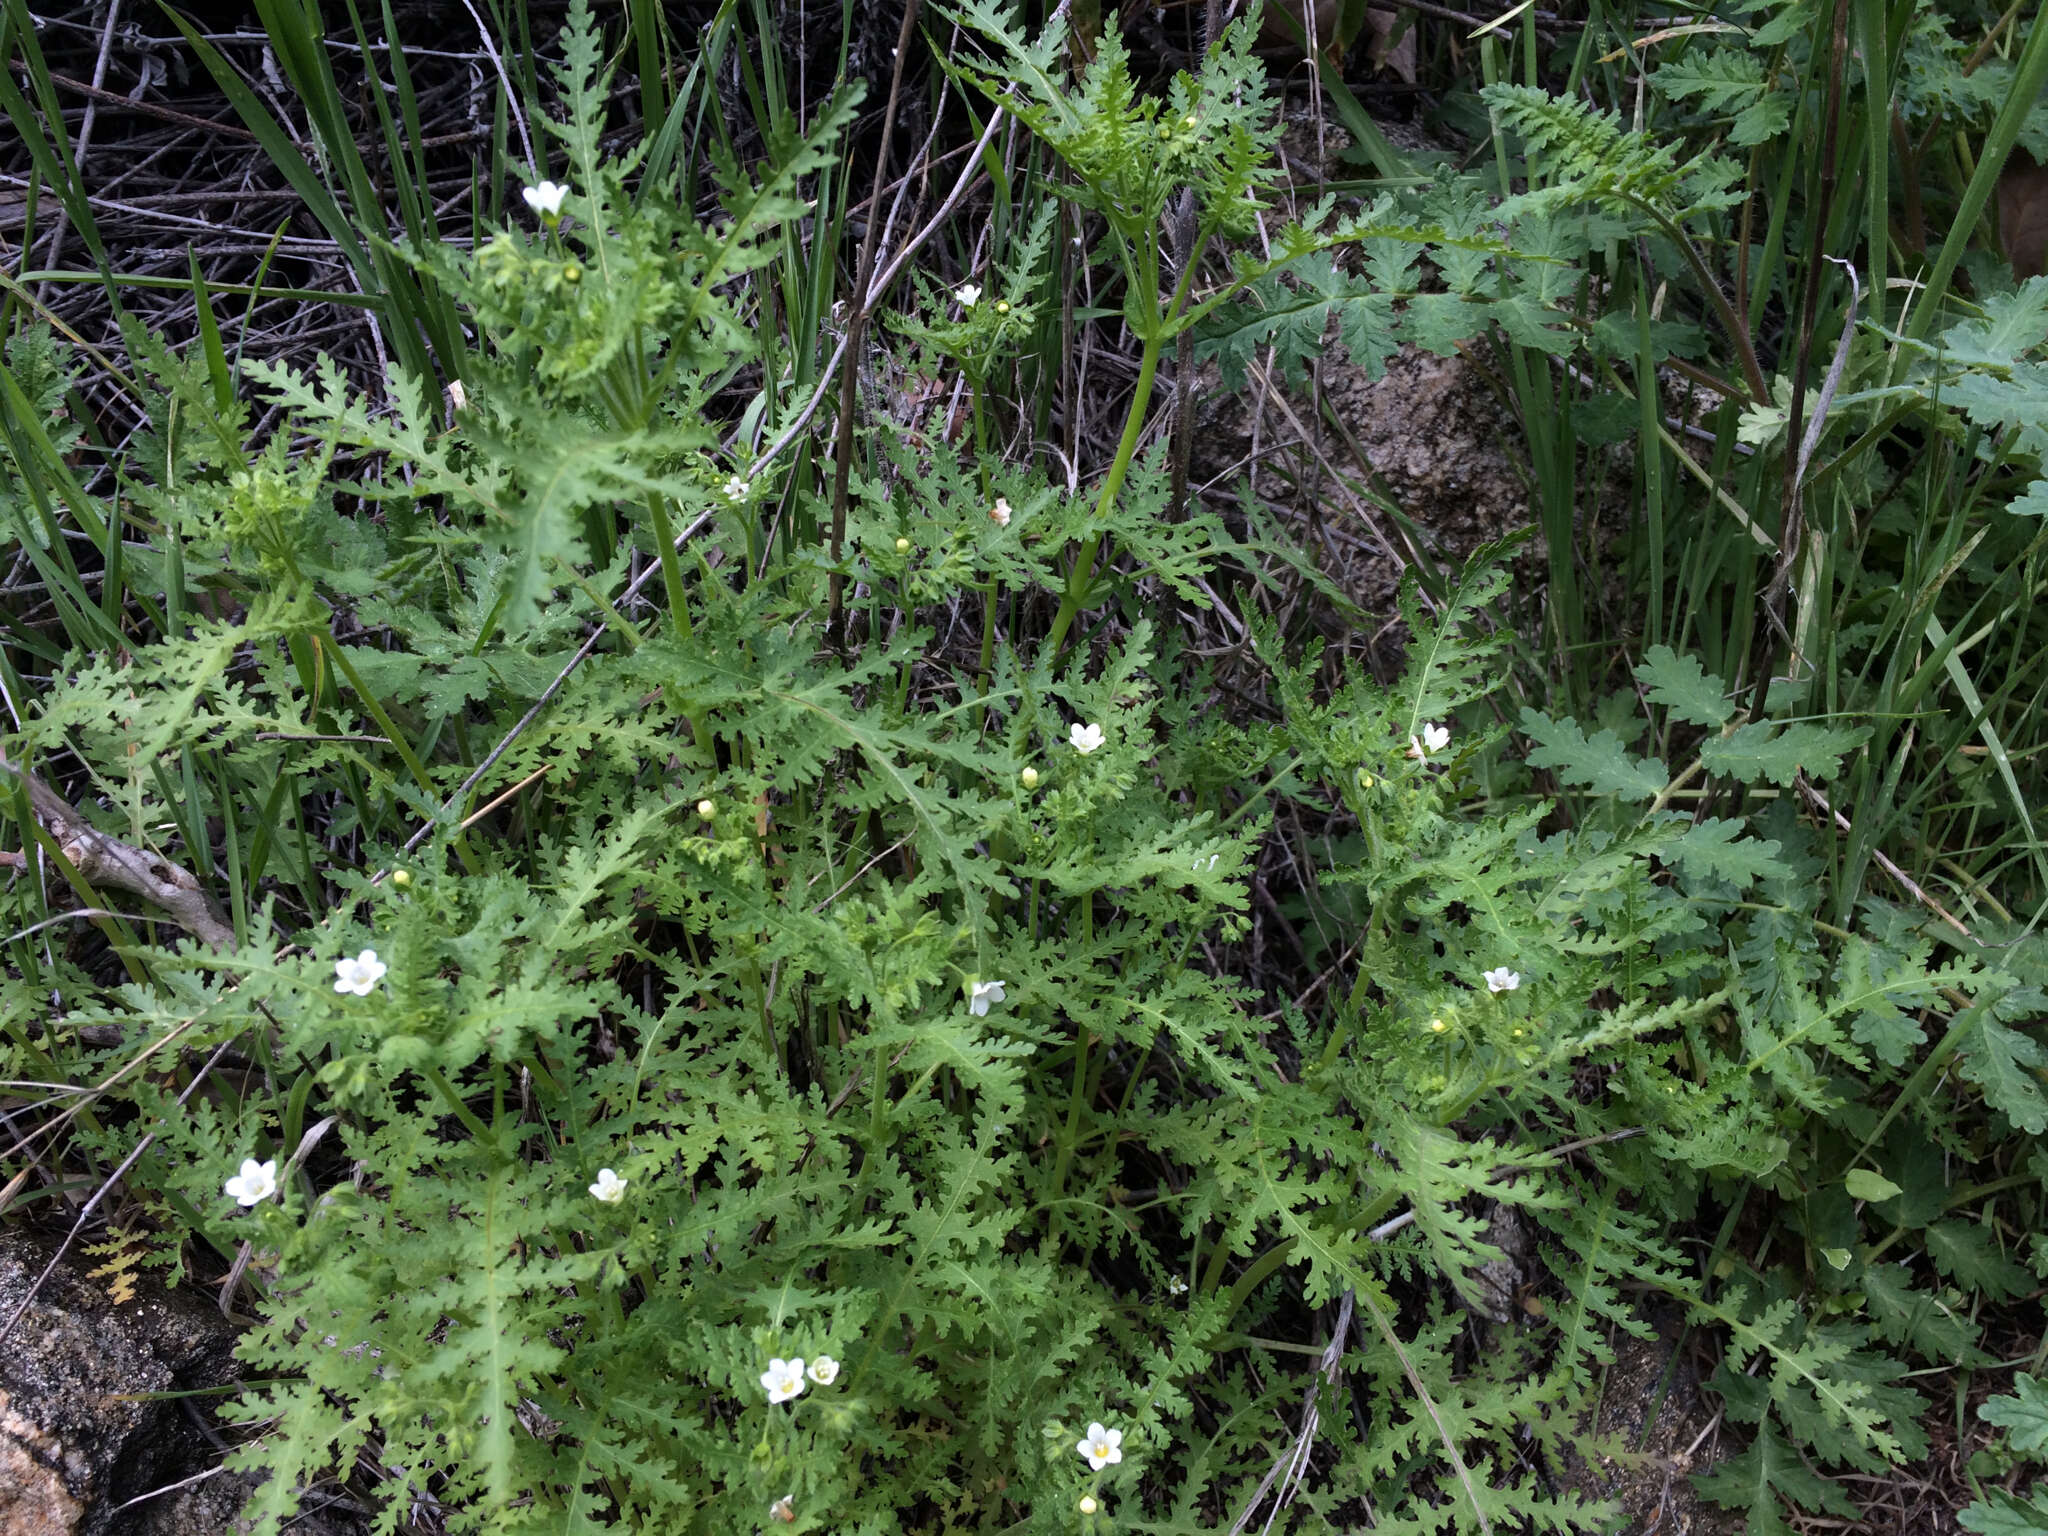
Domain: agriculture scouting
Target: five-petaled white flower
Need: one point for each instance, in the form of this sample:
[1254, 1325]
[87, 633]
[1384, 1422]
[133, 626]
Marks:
[1502, 980]
[546, 199]
[256, 1182]
[735, 489]
[999, 514]
[983, 993]
[609, 1188]
[824, 1370]
[359, 973]
[967, 294]
[1176, 1286]
[1434, 738]
[1086, 738]
[1102, 1447]
[783, 1380]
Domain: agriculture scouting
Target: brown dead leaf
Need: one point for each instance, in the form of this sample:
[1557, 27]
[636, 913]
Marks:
[2023, 214]
[1384, 51]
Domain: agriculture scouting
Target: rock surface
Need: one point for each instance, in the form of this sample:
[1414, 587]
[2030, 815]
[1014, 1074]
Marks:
[83, 1443]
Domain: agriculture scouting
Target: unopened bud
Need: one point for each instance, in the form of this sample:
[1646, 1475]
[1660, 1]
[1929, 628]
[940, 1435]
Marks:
[706, 809]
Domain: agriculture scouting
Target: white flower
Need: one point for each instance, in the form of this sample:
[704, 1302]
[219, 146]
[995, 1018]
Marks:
[1434, 739]
[256, 1182]
[784, 1509]
[783, 1380]
[1503, 980]
[999, 514]
[1102, 1447]
[1086, 738]
[824, 1370]
[982, 994]
[358, 974]
[736, 489]
[967, 293]
[1176, 1286]
[546, 199]
[609, 1188]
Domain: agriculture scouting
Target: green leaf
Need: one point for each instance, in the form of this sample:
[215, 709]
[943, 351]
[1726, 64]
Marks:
[2005, 1516]
[1716, 849]
[2024, 1415]
[1599, 762]
[1721, 80]
[2012, 324]
[1863, 1184]
[1930, 1323]
[2002, 1062]
[1756, 1480]
[1682, 686]
[1964, 1252]
[1763, 750]
[1591, 156]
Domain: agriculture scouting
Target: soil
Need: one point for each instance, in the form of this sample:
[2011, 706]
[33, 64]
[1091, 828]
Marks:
[1427, 435]
[1652, 1404]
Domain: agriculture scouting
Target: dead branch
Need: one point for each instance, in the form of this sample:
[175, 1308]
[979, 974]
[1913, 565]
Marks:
[108, 862]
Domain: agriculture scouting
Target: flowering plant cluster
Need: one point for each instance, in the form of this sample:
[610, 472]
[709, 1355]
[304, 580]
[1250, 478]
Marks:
[846, 992]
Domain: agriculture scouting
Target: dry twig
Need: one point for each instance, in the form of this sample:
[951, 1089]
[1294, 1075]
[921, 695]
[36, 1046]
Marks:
[107, 861]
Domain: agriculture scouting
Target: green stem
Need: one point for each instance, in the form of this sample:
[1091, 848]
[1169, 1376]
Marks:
[395, 737]
[1079, 1091]
[1084, 562]
[1126, 448]
[989, 599]
[671, 567]
[453, 1100]
[1072, 1135]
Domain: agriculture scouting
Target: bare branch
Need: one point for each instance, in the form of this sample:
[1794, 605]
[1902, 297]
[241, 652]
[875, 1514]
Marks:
[106, 861]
